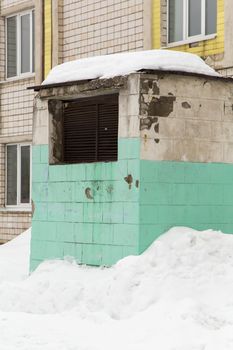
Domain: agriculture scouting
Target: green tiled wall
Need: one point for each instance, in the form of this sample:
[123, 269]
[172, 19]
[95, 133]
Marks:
[197, 195]
[119, 219]
[97, 230]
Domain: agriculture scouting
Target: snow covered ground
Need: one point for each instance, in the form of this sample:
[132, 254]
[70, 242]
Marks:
[178, 295]
[108, 66]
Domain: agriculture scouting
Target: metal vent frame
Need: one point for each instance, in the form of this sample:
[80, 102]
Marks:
[90, 129]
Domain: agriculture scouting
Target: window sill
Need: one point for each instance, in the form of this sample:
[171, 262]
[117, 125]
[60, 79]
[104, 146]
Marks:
[27, 209]
[191, 40]
[18, 78]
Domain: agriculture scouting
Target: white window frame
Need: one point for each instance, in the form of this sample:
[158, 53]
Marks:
[18, 45]
[186, 38]
[19, 206]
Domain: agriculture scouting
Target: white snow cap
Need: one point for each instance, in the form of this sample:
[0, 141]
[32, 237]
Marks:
[109, 66]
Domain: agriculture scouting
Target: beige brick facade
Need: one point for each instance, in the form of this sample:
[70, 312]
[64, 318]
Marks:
[2, 49]
[16, 108]
[89, 28]
[13, 223]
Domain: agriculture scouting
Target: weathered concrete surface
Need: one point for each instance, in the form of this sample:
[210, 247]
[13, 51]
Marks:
[186, 118]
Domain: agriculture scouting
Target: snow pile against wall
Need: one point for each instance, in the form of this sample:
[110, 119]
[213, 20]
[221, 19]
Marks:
[109, 66]
[14, 258]
[182, 286]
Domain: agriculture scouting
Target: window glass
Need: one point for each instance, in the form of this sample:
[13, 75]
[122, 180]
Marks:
[175, 20]
[11, 47]
[194, 17]
[20, 44]
[12, 175]
[211, 16]
[25, 174]
[25, 43]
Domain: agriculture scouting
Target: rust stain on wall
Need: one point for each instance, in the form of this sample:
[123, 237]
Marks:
[129, 180]
[88, 193]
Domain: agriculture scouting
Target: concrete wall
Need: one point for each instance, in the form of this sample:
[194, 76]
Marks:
[186, 162]
[174, 168]
[186, 118]
[100, 228]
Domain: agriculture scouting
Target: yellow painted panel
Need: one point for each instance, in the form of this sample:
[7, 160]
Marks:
[156, 20]
[47, 36]
[202, 48]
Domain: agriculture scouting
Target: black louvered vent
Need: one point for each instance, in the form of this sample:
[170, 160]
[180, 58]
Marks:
[91, 129]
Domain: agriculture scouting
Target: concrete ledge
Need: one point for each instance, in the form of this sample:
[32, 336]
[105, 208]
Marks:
[17, 8]
[16, 138]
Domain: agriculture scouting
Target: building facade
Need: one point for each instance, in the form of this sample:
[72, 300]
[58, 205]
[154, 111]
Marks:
[16, 109]
[34, 36]
[202, 27]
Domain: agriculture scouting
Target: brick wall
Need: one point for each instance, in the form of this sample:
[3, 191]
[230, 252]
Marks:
[12, 224]
[16, 110]
[2, 175]
[89, 28]
[16, 107]
[2, 49]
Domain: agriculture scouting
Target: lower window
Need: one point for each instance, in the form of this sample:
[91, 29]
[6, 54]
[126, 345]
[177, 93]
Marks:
[18, 175]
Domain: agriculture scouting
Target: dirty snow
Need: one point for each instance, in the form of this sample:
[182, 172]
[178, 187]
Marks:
[109, 66]
[178, 295]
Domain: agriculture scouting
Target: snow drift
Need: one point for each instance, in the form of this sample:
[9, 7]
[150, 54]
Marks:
[109, 66]
[178, 295]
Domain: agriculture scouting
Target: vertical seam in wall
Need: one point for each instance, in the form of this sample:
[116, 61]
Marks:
[47, 36]
[147, 24]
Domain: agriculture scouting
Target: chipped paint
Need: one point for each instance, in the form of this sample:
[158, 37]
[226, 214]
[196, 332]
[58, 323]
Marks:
[146, 123]
[88, 193]
[156, 128]
[161, 106]
[55, 108]
[186, 105]
[150, 86]
[152, 105]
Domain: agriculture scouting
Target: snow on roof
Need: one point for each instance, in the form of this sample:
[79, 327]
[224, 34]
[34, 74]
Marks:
[109, 66]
